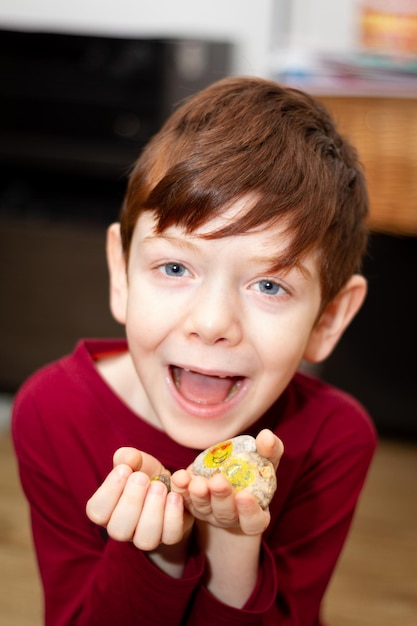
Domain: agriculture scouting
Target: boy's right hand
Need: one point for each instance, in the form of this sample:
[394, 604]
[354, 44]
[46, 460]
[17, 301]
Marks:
[133, 508]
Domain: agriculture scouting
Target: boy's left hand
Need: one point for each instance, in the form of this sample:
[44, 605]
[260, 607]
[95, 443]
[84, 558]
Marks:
[214, 500]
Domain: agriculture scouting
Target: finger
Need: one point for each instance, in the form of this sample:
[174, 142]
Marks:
[102, 503]
[199, 498]
[173, 525]
[148, 533]
[252, 519]
[270, 446]
[180, 481]
[151, 465]
[128, 456]
[223, 500]
[124, 518]
[138, 460]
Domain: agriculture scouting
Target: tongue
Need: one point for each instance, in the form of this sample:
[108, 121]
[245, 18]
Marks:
[203, 389]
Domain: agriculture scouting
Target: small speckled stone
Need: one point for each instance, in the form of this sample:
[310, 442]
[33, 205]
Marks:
[238, 460]
[163, 478]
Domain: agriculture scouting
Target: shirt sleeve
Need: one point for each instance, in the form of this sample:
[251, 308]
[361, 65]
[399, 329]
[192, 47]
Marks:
[207, 610]
[88, 580]
[310, 532]
[301, 546]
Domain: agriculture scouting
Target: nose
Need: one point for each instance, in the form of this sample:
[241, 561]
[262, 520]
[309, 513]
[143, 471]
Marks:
[215, 316]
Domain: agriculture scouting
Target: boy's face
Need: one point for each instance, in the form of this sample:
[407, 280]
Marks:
[214, 335]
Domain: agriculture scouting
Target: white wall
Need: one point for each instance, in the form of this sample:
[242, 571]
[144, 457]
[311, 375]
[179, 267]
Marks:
[324, 25]
[255, 26]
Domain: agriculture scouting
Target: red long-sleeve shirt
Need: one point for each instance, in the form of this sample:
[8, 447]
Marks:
[67, 423]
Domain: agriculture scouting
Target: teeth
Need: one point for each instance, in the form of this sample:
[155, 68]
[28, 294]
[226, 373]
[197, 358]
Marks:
[233, 391]
[189, 370]
[176, 377]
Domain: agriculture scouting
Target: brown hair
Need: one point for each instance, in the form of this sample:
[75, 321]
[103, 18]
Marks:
[245, 136]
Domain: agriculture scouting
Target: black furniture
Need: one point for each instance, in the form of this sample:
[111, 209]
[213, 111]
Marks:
[75, 111]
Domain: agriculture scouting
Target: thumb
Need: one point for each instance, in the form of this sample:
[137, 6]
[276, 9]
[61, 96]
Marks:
[270, 446]
[151, 465]
[139, 461]
[128, 456]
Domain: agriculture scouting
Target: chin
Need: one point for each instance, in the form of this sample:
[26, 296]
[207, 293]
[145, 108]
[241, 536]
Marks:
[202, 436]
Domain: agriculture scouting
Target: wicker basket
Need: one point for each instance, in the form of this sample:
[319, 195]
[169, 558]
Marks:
[384, 130]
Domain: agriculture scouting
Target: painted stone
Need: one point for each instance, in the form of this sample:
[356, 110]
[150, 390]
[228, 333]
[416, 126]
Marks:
[239, 461]
[163, 478]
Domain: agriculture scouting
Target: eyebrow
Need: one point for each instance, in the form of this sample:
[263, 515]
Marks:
[176, 241]
[274, 263]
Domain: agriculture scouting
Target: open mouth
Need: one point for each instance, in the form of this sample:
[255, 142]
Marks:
[205, 389]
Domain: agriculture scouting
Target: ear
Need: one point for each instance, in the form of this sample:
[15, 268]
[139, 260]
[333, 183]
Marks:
[116, 262]
[335, 318]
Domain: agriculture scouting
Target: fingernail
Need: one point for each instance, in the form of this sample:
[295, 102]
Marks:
[122, 471]
[174, 498]
[157, 487]
[139, 478]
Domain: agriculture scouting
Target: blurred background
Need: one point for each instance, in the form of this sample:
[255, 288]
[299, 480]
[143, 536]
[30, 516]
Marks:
[83, 86]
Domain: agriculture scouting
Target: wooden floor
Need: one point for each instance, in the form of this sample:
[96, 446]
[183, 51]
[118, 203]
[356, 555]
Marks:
[375, 583]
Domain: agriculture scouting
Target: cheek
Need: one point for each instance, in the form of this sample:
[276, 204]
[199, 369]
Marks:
[281, 342]
[148, 321]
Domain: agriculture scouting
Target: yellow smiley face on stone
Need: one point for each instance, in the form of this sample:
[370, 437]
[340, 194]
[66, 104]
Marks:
[239, 461]
[218, 454]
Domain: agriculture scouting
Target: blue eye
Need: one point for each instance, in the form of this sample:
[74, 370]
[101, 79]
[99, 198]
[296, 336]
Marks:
[269, 287]
[174, 269]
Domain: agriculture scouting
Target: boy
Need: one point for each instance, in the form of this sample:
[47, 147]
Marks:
[237, 254]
